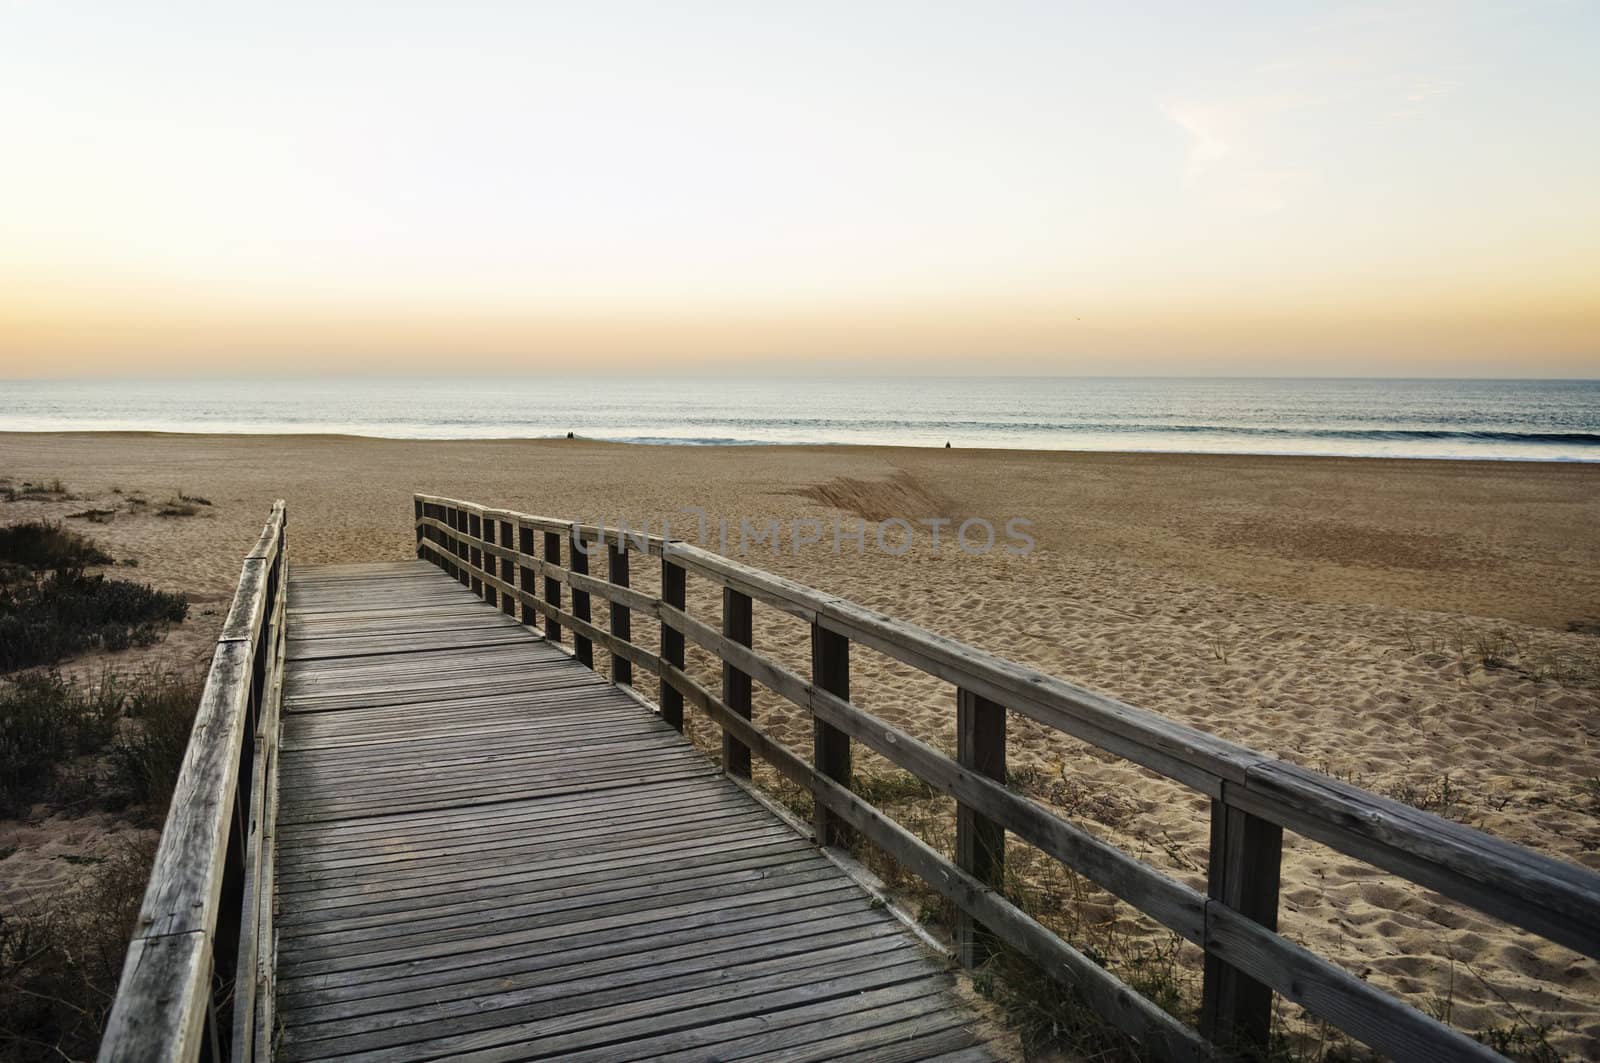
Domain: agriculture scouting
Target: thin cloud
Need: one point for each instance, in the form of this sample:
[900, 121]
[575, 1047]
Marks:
[1227, 161]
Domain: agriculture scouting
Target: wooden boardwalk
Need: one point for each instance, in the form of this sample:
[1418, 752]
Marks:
[486, 851]
[408, 827]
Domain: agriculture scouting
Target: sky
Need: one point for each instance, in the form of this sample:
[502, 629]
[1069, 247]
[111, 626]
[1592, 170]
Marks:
[1164, 188]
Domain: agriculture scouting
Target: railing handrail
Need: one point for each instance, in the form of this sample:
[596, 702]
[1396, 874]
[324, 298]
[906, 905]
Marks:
[169, 1005]
[1254, 796]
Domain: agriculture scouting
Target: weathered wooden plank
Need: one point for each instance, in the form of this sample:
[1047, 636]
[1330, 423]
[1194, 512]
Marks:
[758, 859]
[745, 915]
[790, 1034]
[429, 893]
[186, 876]
[1362, 1010]
[198, 910]
[161, 1006]
[585, 989]
[579, 925]
[341, 943]
[634, 959]
[448, 852]
[570, 1023]
[335, 899]
[1142, 1020]
[1550, 897]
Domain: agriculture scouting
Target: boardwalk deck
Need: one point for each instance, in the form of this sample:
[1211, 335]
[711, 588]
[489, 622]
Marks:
[486, 851]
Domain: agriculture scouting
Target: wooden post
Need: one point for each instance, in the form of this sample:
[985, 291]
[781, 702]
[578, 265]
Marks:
[552, 586]
[582, 648]
[508, 570]
[738, 626]
[830, 671]
[1245, 863]
[980, 842]
[491, 564]
[446, 561]
[527, 580]
[416, 506]
[458, 545]
[474, 552]
[674, 589]
[621, 617]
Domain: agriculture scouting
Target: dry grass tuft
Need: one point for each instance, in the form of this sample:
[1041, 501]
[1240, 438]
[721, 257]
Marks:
[901, 495]
[61, 957]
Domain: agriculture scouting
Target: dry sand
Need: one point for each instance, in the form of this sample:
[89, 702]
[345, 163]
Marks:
[1337, 613]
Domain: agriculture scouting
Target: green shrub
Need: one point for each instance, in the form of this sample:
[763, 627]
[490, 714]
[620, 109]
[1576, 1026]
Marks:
[43, 621]
[41, 545]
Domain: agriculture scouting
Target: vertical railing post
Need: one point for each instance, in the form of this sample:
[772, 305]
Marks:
[527, 581]
[582, 647]
[980, 842]
[830, 671]
[552, 586]
[508, 570]
[737, 626]
[1245, 867]
[416, 506]
[458, 544]
[431, 511]
[475, 551]
[491, 563]
[621, 616]
[446, 547]
[674, 592]
[448, 540]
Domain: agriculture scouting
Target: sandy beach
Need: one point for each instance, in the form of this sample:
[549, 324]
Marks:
[1429, 630]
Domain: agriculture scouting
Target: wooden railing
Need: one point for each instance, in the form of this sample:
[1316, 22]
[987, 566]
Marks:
[197, 981]
[1254, 797]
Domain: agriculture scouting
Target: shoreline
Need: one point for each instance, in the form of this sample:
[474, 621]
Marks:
[756, 445]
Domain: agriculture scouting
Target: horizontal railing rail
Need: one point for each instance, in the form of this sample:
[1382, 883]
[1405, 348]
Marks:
[196, 982]
[1254, 797]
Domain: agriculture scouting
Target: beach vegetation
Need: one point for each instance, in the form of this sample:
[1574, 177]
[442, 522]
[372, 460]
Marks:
[45, 620]
[51, 609]
[61, 958]
[133, 729]
[147, 756]
[41, 545]
[115, 742]
[53, 488]
[45, 721]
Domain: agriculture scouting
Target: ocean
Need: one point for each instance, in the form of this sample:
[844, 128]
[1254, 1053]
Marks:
[1545, 420]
